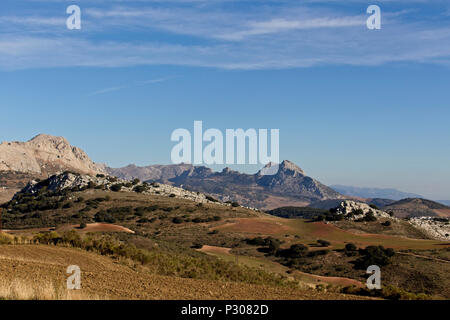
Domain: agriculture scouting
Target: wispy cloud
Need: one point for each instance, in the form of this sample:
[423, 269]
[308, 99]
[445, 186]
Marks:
[283, 25]
[281, 36]
[137, 83]
[106, 90]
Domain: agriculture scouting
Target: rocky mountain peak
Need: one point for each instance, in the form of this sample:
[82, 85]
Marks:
[287, 165]
[44, 155]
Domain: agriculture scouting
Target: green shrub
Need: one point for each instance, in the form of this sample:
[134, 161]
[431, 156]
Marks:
[177, 220]
[387, 223]
[116, 187]
[373, 255]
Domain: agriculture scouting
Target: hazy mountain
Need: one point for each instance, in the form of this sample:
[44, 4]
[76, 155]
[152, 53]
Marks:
[289, 186]
[154, 172]
[383, 193]
[445, 202]
[415, 207]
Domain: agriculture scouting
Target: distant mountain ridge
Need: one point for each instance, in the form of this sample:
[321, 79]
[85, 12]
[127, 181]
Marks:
[289, 186]
[380, 193]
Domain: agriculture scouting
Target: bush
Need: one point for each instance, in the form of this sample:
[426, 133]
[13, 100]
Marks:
[258, 241]
[140, 188]
[177, 220]
[373, 255]
[295, 251]
[116, 187]
[350, 247]
[387, 292]
[323, 243]
[135, 181]
[387, 223]
[370, 216]
[373, 206]
[235, 204]
[82, 225]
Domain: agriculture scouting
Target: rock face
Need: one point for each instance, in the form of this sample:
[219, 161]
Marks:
[353, 210]
[289, 186]
[45, 155]
[435, 228]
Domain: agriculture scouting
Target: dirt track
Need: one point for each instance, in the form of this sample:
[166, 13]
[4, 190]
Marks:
[104, 278]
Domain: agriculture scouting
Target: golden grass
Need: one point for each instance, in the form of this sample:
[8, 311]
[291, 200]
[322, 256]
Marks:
[15, 289]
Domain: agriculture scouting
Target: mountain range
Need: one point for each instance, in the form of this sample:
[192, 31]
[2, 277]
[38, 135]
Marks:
[380, 193]
[289, 186]
[45, 155]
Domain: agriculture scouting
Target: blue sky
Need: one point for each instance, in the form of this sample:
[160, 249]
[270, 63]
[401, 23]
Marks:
[354, 106]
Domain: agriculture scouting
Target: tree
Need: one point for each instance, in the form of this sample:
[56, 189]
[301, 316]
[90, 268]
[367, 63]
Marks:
[82, 225]
[350, 247]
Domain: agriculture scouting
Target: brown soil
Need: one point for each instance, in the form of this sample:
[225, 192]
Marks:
[104, 278]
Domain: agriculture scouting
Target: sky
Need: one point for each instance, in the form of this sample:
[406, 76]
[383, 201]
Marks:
[354, 106]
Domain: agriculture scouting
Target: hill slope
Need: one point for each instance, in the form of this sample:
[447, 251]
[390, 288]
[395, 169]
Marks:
[38, 266]
[415, 207]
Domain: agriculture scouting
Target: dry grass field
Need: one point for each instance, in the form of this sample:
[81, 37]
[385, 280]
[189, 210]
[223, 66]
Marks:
[38, 272]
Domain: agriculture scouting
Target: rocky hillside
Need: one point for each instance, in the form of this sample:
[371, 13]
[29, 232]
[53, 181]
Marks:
[289, 186]
[44, 155]
[435, 228]
[78, 182]
[353, 210]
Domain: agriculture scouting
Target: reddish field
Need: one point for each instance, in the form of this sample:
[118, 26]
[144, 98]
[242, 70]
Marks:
[312, 231]
[270, 226]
